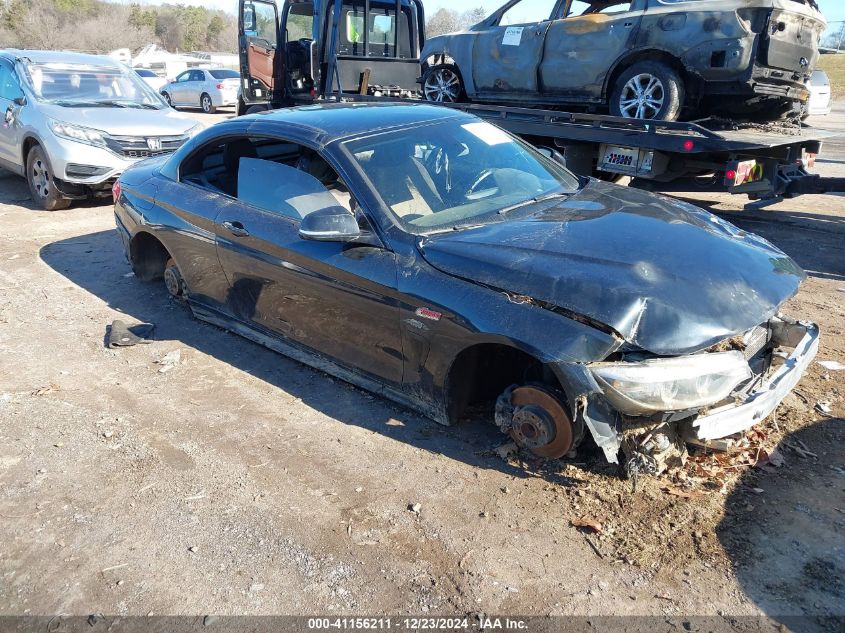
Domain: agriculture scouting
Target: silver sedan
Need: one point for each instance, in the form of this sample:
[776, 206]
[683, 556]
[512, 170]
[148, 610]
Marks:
[204, 88]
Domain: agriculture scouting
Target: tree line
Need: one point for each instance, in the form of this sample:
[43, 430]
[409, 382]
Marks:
[98, 26]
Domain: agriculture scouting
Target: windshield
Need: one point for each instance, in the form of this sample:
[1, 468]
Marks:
[457, 172]
[86, 85]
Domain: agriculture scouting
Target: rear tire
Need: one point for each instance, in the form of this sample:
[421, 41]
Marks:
[207, 104]
[39, 177]
[256, 109]
[648, 90]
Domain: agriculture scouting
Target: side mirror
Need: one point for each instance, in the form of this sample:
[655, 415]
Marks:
[555, 155]
[21, 101]
[333, 224]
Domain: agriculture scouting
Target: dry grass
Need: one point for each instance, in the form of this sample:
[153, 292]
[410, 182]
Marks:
[834, 66]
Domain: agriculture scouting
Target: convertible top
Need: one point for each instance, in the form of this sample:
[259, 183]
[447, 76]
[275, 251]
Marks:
[335, 121]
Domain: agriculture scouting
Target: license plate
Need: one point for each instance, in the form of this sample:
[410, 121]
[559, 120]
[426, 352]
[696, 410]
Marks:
[626, 160]
[743, 172]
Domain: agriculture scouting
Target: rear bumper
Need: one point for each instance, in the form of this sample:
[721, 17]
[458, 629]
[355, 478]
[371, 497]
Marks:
[719, 423]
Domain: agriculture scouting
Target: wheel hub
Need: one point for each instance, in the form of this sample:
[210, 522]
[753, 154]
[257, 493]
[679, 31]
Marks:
[642, 97]
[441, 86]
[40, 178]
[541, 422]
[173, 281]
[532, 426]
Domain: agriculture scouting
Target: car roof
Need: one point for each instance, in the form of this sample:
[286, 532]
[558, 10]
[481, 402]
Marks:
[60, 57]
[326, 123]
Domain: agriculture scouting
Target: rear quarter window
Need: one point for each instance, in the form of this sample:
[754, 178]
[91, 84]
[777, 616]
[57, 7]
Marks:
[224, 74]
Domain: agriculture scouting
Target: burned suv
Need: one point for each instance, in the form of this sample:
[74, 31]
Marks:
[646, 59]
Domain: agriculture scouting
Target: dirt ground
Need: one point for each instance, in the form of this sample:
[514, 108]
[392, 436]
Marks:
[240, 482]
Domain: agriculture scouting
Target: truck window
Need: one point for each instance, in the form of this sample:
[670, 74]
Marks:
[300, 22]
[380, 31]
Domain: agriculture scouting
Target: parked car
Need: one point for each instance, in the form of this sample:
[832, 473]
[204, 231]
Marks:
[150, 78]
[430, 257]
[207, 89]
[820, 94]
[74, 122]
[645, 59]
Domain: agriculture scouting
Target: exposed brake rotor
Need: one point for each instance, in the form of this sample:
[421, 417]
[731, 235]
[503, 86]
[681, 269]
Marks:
[540, 422]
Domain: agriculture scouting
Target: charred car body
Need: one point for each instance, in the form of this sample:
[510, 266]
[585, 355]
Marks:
[647, 59]
[442, 263]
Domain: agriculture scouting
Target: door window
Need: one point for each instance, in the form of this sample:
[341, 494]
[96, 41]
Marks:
[300, 22]
[281, 189]
[578, 8]
[9, 87]
[269, 174]
[528, 12]
[197, 75]
[265, 23]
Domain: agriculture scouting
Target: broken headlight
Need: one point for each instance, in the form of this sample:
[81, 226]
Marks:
[671, 384]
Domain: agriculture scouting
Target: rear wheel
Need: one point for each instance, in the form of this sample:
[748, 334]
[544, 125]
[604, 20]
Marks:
[207, 104]
[443, 84]
[39, 177]
[173, 280]
[648, 90]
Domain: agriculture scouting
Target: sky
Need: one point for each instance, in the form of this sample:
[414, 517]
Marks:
[834, 10]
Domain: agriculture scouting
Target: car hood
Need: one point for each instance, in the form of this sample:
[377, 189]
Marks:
[124, 121]
[668, 277]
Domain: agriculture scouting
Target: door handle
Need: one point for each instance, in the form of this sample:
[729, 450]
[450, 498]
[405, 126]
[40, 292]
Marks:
[236, 228]
[628, 25]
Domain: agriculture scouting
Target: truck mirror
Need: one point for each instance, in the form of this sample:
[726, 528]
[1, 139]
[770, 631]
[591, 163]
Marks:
[249, 17]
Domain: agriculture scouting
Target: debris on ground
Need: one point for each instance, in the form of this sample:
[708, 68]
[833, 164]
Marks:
[823, 406]
[415, 507]
[506, 451]
[588, 524]
[169, 361]
[43, 391]
[832, 365]
[122, 335]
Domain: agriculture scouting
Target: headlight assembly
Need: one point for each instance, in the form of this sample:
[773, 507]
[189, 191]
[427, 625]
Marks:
[78, 133]
[671, 384]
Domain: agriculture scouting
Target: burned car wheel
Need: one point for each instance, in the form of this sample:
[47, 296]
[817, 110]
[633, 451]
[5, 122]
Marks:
[443, 84]
[39, 176]
[648, 90]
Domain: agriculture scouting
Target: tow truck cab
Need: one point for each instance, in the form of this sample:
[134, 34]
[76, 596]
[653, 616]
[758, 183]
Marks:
[316, 47]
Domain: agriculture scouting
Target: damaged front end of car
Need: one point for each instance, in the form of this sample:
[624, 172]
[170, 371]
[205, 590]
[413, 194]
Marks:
[649, 408]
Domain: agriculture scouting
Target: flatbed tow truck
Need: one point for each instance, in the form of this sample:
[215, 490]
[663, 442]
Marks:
[368, 50]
